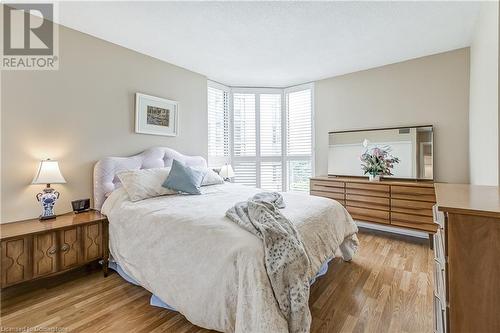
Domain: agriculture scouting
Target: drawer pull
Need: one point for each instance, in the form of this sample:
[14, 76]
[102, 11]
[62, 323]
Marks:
[52, 250]
[65, 247]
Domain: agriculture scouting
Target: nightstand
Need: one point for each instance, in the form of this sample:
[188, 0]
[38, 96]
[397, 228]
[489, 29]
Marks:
[34, 249]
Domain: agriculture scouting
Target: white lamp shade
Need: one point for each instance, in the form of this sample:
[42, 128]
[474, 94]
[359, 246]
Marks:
[226, 171]
[48, 173]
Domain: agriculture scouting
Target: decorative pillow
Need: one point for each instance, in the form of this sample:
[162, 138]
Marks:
[184, 179]
[211, 178]
[145, 183]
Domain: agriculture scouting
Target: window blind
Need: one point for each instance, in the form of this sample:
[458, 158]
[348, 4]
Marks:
[246, 172]
[299, 139]
[244, 124]
[299, 123]
[271, 176]
[270, 125]
[218, 123]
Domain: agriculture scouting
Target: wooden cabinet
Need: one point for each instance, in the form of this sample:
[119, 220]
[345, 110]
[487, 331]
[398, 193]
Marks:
[34, 249]
[466, 288]
[404, 204]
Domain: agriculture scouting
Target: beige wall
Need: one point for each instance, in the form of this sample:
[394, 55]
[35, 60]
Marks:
[431, 90]
[483, 116]
[85, 111]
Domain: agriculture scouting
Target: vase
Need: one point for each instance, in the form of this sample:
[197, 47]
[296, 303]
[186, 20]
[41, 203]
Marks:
[374, 178]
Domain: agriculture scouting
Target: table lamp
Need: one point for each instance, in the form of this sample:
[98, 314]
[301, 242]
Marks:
[48, 173]
[226, 172]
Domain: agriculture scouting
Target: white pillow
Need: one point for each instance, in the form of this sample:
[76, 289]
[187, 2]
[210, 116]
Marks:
[145, 183]
[211, 178]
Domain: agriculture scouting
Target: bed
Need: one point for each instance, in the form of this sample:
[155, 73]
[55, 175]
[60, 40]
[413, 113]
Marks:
[189, 255]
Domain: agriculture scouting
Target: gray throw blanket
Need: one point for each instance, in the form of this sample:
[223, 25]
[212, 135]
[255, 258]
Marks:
[286, 260]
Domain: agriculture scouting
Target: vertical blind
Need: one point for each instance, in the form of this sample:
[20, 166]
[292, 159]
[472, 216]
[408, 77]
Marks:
[218, 124]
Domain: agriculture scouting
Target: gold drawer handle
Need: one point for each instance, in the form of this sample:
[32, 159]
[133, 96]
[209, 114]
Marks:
[52, 250]
[65, 248]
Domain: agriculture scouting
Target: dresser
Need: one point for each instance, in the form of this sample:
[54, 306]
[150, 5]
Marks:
[399, 203]
[467, 259]
[34, 249]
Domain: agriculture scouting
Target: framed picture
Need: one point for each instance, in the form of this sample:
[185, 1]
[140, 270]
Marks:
[155, 115]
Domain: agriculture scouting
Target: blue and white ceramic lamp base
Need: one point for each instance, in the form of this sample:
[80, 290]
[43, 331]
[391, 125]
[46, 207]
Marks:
[47, 200]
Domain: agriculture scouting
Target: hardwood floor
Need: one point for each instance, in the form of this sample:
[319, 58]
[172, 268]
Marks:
[386, 288]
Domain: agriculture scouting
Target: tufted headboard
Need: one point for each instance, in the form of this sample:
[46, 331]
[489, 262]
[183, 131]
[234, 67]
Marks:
[105, 170]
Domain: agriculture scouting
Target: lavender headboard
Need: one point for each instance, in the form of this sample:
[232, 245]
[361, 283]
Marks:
[105, 170]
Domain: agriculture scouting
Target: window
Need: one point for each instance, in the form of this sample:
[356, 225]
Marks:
[299, 138]
[269, 137]
[218, 125]
[244, 125]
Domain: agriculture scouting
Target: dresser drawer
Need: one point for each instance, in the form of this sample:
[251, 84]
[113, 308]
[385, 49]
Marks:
[331, 195]
[328, 183]
[418, 222]
[370, 215]
[412, 218]
[413, 193]
[323, 188]
[412, 207]
[364, 201]
[367, 187]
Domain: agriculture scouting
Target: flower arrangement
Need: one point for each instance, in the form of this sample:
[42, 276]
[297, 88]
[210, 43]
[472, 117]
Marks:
[378, 161]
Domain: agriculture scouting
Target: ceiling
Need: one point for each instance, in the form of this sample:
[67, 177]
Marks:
[277, 44]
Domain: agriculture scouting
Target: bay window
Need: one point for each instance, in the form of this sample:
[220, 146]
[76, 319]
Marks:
[269, 141]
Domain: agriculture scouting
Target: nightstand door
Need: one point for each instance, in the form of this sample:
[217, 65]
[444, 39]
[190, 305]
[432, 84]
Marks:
[70, 248]
[15, 261]
[45, 249]
[92, 241]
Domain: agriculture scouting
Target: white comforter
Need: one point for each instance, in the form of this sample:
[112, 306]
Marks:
[184, 250]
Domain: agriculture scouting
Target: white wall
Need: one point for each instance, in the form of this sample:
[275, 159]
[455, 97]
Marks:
[483, 114]
[85, 111]
[431, 90]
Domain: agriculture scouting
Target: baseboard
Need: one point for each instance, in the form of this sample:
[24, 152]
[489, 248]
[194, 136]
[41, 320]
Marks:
[394, 230]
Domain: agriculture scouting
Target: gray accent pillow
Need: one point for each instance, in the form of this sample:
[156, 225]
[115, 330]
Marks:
[184, 179]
